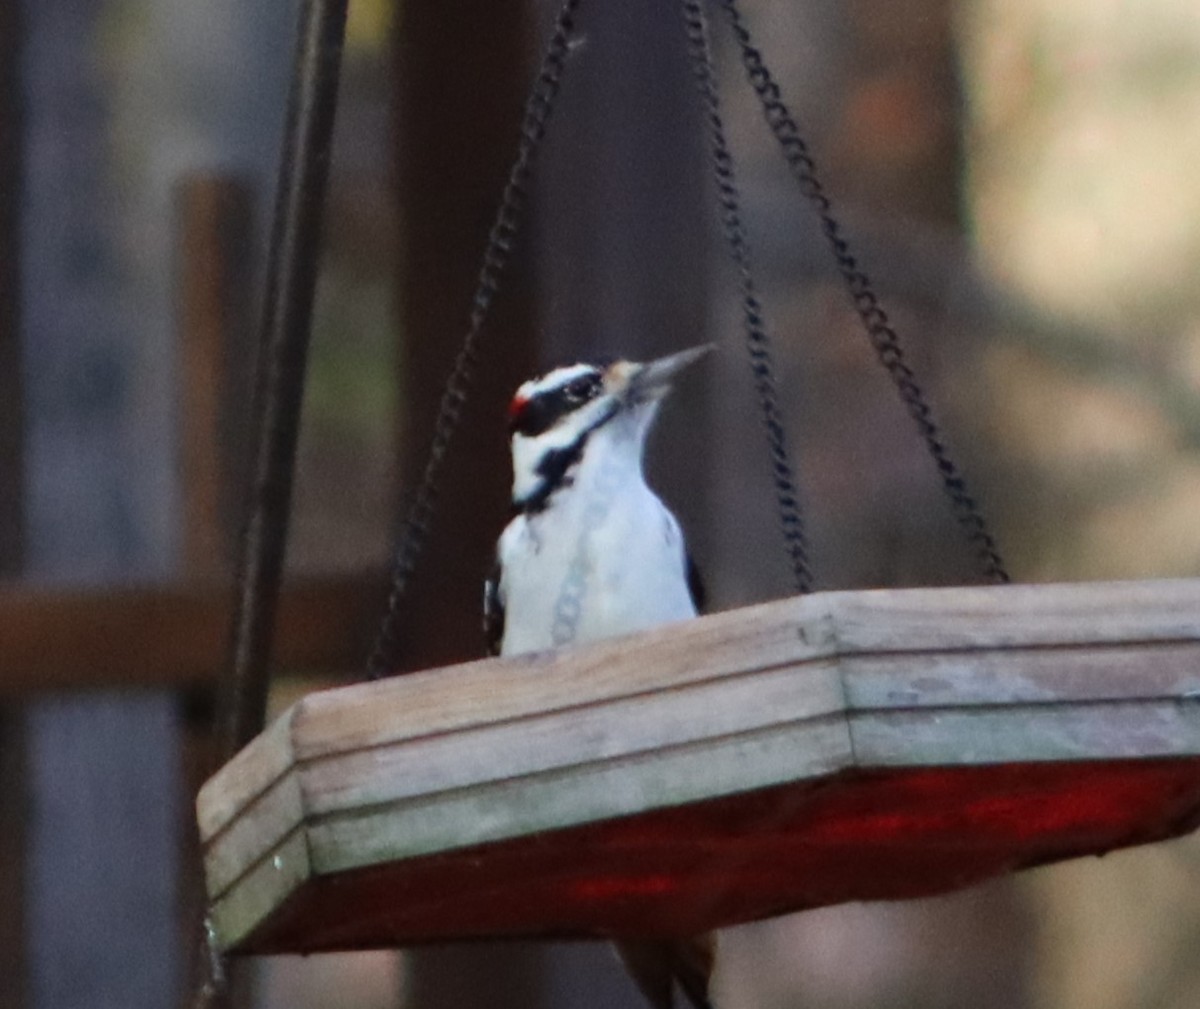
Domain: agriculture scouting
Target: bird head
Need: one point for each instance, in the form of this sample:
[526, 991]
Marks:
[552, 418]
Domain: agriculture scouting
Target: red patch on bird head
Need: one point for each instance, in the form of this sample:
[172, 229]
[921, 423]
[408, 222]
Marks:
[516, 408]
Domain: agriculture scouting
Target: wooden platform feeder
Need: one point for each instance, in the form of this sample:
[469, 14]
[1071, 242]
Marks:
[835, 747]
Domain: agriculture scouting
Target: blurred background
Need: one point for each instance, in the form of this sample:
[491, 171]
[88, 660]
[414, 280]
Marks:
[1018, 178]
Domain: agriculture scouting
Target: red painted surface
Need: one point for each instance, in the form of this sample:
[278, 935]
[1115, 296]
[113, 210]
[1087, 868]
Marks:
[858, 836]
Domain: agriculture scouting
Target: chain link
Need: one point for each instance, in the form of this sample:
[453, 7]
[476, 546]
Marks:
[875, 320]
[384, 656]
[879, 329]
[758, 341]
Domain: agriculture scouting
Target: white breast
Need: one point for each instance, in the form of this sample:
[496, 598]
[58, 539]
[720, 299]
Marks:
[605, 558]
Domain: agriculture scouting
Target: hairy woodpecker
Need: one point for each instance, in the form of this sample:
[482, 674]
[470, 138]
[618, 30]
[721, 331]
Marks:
[592, 552]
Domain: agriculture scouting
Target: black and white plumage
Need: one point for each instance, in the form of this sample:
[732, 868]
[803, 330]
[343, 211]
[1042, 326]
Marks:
[591, 553]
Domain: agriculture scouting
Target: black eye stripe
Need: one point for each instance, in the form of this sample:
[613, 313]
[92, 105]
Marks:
[544, 410]
[581, 389]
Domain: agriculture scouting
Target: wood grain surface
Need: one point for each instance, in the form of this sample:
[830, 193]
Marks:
[474, 764]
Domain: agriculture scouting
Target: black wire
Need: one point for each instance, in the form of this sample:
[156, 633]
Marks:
[879, 329]
[758, 341]
[384, 656]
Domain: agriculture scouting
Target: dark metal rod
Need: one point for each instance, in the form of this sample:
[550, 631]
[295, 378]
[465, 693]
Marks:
[283, 352]
[279, 388]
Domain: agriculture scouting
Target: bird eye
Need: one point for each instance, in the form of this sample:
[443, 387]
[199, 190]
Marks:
[582, 388]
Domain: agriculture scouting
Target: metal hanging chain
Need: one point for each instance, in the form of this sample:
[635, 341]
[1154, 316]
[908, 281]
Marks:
[384, 655]
[879, 329]
[758, 341]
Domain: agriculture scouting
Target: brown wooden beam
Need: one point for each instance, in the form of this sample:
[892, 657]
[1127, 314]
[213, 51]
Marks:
[462, 77]
[171, 635]
[461, 73]
[215, 219]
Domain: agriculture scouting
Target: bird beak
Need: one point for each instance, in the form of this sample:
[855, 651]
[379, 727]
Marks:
[652, 380]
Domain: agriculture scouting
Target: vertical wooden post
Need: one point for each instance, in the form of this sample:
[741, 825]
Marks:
[215, 227]
[456, 140]
[214, 248]
[462, 75]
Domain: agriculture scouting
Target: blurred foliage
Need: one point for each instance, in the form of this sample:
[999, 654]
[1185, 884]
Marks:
[351, 391]
[1084, 134]
[368, 27]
